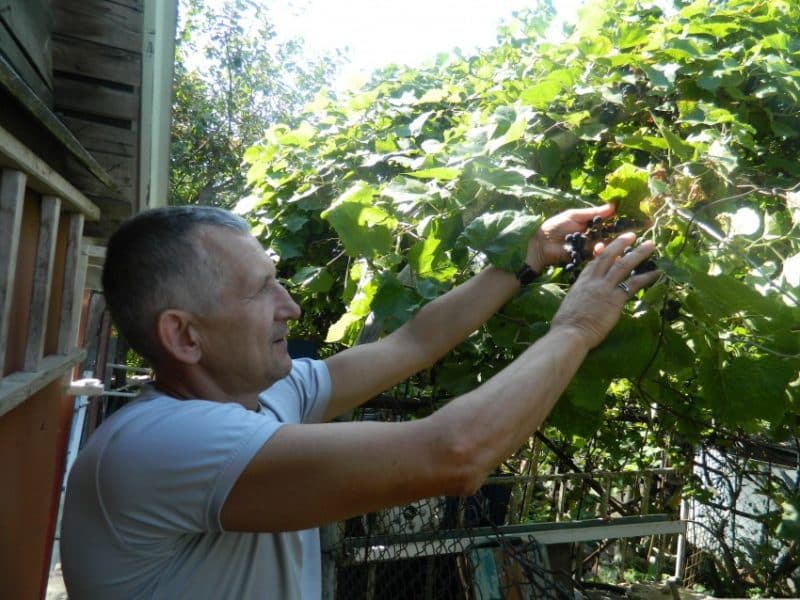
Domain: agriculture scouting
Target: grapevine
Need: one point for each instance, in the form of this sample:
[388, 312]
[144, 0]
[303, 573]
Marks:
[688, 122]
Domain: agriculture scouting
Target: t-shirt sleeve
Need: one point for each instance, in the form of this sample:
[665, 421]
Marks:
[303, 395]
[170, 469]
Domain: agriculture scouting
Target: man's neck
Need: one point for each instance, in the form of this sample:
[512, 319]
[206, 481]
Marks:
[189, 389]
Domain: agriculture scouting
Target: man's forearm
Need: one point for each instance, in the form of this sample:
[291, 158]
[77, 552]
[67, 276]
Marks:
[488, 424]
[429, 335]
[446, 321]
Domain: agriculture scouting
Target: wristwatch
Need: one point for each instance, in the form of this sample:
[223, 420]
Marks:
[526, 275]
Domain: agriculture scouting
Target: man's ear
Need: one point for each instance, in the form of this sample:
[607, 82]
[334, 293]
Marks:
[178, 337]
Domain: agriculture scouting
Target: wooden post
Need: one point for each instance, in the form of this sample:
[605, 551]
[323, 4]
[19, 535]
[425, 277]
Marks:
[72, 292]
[42, 281]
[12, 194]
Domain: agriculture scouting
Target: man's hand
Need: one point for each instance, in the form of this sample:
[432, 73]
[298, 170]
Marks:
[593, 304]
[546, 247]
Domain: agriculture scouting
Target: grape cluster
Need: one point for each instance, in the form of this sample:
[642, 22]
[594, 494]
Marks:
[581, 245]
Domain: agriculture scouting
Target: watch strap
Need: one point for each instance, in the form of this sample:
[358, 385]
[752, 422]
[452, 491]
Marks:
[526, 275]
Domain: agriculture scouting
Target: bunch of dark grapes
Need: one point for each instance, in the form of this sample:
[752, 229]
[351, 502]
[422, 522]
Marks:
[581, 245]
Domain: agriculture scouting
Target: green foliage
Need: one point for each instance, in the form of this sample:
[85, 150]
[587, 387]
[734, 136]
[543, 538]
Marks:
[232, 79]
[383, 198]
[688, 122]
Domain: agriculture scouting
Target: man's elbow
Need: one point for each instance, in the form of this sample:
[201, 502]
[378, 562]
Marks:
[460, 464]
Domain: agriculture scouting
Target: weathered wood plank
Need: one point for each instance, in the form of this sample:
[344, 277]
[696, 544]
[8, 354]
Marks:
[135, 4]
[24, 38]
[42, 281]
[41, 177]
[89, 98]
[99, 137]
[12, 194]
[114, 213]
[89, 59]
[99, 21]
[123, 171]
[74, 277]
[18, 387]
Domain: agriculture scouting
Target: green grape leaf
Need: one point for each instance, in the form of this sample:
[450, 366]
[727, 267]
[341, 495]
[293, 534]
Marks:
[743, 390]
[502, 236]
[443, 173]
[365, 230]
[314, 279]
[627, 187]
[393, 303]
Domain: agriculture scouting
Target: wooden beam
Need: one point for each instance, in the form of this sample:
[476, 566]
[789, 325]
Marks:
[42, 281]
[12, 195]
[72, 292]
[19, 386]
[41, 177]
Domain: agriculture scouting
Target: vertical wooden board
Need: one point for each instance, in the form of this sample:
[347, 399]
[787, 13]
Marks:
[32, 439]
[56, 287]
[42, 280]
[23, 285]
[72, 287]
[12, 194]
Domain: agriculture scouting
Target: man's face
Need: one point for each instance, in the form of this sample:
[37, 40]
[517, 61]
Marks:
[244, 339]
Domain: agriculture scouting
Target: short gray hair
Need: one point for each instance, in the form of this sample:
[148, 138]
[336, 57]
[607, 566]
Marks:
[154, 262]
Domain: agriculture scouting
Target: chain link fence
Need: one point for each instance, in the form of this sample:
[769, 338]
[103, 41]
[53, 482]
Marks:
[519, 537]
[439, 548]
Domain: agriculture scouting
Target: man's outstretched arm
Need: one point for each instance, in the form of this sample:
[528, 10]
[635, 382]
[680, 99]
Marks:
[362, 372]
[307, 475]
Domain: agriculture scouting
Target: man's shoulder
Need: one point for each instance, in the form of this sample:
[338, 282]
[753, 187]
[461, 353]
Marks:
[154, 419]
[302, 395]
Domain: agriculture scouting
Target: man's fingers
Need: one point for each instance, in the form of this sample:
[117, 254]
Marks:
[622, 267]
[611, 252]
[635, 283]
[584, 215]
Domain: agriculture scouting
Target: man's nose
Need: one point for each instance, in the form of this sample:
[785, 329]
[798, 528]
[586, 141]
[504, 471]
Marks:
[288, 309]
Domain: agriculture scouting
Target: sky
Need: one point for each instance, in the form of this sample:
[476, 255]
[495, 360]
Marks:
[379, 32]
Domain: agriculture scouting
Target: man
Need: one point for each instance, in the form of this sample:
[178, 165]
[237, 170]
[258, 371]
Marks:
[206, 486]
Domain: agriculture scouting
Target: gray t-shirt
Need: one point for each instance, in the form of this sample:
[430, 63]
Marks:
[142, 509]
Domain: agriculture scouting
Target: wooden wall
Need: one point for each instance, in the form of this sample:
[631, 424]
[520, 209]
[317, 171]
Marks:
[97, 71]
[40, 284]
